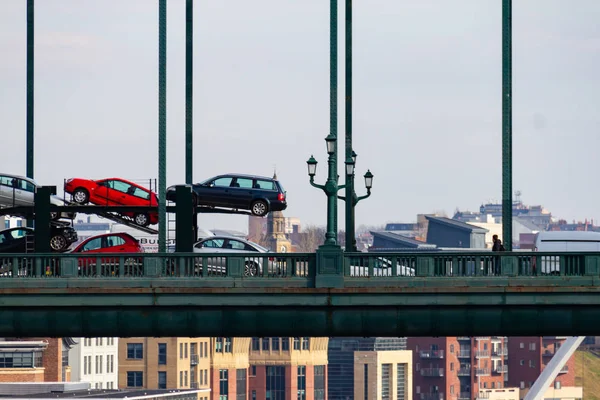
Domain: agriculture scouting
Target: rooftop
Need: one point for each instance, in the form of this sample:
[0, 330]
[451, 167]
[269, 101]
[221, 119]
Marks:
[456, 224]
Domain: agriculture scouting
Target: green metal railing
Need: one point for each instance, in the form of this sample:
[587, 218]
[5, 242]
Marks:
[457, 264]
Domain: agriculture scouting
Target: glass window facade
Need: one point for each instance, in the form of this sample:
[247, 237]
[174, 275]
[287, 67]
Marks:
[162, 354]
[275, 383]
[301, 383]
[223, 384]
[319, 382]
[135, 379]
[240, 384]
[162, 379]
[401, 382]
[21, 360]
[385, 381]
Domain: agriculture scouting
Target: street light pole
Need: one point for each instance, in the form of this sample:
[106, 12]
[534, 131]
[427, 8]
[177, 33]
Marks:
[350, 235]
[353, 200]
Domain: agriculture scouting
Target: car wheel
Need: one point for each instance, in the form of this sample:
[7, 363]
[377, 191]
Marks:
[259, 208]
[141, 219]
[58, 243]
[81, 196]
[251, 269]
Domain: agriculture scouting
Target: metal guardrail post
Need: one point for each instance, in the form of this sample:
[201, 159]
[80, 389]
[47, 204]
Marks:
[235, 266]
[68, 268]
[152, 266]
[508, 265]
[592, 265]
[425, 266]
[330, 273]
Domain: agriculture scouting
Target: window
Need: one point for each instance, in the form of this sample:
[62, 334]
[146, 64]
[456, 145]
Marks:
[522, 362]
[451, 366]
[244, 183]
[205, 349]
[112, 241]
[120, 186]
[521, 345]
[240, 384]
[213, 243]
[223, 384]
[219, 345]
[531, 363]
[253, 370]
[254, 395]
[532, 346]
[296, 343]
[135, 351]
[452, 389]
[255, 344]
[89, 364]
[305, 343]
[366, 383]
[275, 344]
[401, 381]
[162, 354]
[185, 378]
[26, 185]
[108, 363]
[85, 370]
[181, 351]
[112, 363]
[135, 379]
[265, 344]
[451, 348]
[180, 378]
[100, 369]
[93, 244]
[301, 382]
[319, 382]
[185, 346]
[228, 344]
[522, 385]
[275, 383]
[97, 364]
[266, 185]
[222, 182]
[285, 344]
[201, 350]
[101, 341]
[206, 376]
[385, 381]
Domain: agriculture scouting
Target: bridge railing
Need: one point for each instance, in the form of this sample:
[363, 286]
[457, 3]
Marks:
[387, 266]
[167, 265]
[470, 264]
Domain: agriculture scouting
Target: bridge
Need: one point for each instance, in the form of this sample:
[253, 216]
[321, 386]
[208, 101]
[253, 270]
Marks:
[371, 294]
[331, 292]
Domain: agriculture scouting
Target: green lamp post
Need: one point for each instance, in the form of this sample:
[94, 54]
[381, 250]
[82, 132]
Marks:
[330, 188]
[350, 215]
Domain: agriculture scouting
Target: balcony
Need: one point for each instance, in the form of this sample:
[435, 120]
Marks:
[482, 354]
[496, 339]
[464, 371]
[194, 385]
[483, 395]
[432, 396]
[432, 372]
[431, 354]
[482, 371]
[464, 354]
[500, 352]
[464, 338]
[501, 369]
[194, 359]
[465, 396]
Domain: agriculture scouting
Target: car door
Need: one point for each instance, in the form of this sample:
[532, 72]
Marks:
[120, 192]
[242, 192]
[216, 263]
[99, 192]
[217, 193]
[25, 192]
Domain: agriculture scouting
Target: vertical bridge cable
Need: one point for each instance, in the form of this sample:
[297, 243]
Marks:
[162, 124]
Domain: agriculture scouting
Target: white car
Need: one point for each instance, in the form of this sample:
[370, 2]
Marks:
[16, 191]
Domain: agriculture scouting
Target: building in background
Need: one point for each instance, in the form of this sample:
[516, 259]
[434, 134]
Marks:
[95, 360]
[283, 368]
[451, 368]
[528, 358]
[21, 361]
[228, 375]
[383, 375]
[341, 359]
[164, 363]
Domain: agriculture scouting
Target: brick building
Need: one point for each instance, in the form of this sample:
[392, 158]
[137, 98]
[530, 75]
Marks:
[35, 359]
[457, 368]
[529, 357]
[285, 368]
[164, 363]
[229, 368]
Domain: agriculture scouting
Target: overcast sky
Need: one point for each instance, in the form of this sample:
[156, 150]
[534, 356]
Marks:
[427, 98]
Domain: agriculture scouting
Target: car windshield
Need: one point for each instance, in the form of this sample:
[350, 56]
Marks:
[260, 248]
[204, 182]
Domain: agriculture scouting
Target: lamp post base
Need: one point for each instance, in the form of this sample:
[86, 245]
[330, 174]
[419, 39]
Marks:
[330, 272]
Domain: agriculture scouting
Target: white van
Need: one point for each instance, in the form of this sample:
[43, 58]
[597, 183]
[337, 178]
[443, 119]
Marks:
[561, 242]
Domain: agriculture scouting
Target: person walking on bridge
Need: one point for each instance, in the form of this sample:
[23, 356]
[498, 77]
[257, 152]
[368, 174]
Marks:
[497, 246]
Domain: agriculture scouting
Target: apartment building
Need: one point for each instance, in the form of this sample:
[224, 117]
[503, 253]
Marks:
[21, 361]
[229, 368]
[340, 354]
[529, 357]
[458, 368]
[285, 368]
[95, 360]
[54, 356]
[383, 375]
[165, 363]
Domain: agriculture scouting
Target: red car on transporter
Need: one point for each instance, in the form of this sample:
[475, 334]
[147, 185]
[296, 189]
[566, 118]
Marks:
[114, 192]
